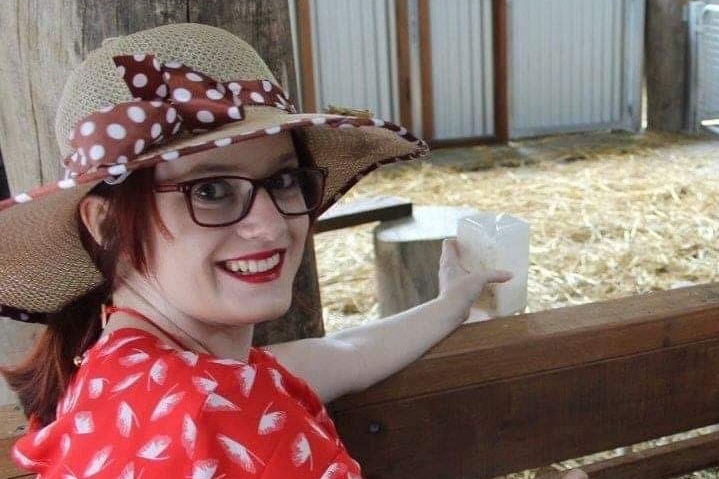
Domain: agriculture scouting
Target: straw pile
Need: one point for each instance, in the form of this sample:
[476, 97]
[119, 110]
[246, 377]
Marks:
[606, 222]
[610, 225]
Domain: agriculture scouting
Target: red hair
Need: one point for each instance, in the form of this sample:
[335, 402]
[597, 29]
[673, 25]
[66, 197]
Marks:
[42, 378]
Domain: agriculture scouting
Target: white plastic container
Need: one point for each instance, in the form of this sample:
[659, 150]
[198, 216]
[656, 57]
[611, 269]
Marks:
[491, 240]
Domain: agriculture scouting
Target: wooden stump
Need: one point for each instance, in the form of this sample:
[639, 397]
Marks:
[407, 253]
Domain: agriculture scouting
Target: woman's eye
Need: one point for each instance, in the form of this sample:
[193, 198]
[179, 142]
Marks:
[283, 181]
[215, 190]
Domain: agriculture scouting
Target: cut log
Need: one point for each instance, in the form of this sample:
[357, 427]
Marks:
[407, 253]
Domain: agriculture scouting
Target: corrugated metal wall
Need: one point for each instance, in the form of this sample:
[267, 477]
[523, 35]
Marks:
[354, 55]
[462, 68]
[574, 65]
[708, 93]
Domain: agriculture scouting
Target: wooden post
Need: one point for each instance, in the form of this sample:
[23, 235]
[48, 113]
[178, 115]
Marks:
[42, 40]
[666, 64]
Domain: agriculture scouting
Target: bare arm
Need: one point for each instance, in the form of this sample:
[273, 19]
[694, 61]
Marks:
[356, 358]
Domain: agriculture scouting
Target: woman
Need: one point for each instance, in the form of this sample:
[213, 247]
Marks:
[189, 191]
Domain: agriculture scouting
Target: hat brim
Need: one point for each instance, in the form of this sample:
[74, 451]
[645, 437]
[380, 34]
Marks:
[43, 265]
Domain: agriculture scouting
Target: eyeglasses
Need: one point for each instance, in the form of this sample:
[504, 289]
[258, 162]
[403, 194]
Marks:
[224, 200]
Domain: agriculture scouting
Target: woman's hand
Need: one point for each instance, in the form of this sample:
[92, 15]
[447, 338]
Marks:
[460, 285]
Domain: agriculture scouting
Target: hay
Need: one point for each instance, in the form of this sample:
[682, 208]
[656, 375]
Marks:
[608, 226]
[611, 217]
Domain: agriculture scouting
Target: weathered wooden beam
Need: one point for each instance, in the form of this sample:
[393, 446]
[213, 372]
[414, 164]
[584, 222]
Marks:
[365, 210]
[665, 461]
[526, 391]
[666, 64]
[264, 24]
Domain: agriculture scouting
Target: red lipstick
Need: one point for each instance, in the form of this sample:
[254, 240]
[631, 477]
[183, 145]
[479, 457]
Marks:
[262, 277]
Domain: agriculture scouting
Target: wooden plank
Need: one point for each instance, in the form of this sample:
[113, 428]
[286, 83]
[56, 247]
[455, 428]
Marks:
[264, 24]
[558, 338]
[304, 38]
[425, 60]
[12, 426]
[665, 461]
[501, 76]
[666, 64]
[522, 392]
[403, 63]
[364, 210]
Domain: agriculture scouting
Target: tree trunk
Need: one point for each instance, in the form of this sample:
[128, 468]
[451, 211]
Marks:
[666, 64]
[41, 41]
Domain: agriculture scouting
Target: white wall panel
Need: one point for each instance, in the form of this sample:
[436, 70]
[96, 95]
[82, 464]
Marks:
[462, 68]
[353, 44]
[574, 65]
[708, 99]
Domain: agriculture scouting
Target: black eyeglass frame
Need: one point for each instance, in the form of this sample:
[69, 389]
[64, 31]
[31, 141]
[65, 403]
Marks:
[185, 187]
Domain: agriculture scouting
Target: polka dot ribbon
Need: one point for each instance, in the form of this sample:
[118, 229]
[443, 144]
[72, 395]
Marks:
[168, 98]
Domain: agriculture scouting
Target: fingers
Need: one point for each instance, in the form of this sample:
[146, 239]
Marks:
[498, 276]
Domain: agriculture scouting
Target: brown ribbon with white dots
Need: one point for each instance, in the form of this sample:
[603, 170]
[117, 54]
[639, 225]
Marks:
[168, 98]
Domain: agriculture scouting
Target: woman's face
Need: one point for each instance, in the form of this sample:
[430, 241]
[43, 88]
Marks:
[193, 270]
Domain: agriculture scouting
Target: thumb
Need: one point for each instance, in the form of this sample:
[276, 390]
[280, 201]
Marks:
[499, 276]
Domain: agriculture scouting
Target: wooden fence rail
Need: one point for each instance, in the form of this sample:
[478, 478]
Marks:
[526, 391]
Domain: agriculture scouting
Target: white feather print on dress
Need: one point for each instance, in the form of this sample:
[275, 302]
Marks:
[25, 461]
[228, 362]
[271, 421]
[215, 402]
[204, 385]
[158, 373]
[205, 469]
[65, 443]
[301, 451]
[127, 382]
[189, 435]
[98, 462]
[42, 434]
[154, 448]
[277, 380]
[317, 428]
[128, 472]
[95, 387]
[335, 471]
[84, 423]
[166, 405]
[134, 359]
[239, 454]
[72, 396]
[126, 417]
[246, 376]
[189, 358]
[115, 345]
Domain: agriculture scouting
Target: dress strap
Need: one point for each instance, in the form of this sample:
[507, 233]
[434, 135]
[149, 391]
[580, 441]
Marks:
[108, 310]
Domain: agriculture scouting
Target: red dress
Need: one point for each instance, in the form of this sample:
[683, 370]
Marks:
[138, 409]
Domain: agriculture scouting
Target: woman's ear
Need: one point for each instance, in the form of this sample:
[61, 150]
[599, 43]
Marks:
[93, 210]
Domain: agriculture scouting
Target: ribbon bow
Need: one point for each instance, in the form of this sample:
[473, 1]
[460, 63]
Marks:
[168, 98]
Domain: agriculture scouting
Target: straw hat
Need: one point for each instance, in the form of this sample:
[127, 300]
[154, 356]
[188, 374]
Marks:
[158, 95]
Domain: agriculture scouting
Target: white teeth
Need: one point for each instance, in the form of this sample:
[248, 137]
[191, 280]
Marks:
[252, 266]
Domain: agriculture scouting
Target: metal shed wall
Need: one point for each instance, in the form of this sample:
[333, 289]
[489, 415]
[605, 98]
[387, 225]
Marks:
[462, 68]
[574, 65]
[353, 44]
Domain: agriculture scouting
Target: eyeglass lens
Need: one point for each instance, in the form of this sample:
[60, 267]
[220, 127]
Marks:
[220, 200]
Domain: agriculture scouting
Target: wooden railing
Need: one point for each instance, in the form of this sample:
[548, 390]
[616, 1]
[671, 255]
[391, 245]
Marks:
[522, 392]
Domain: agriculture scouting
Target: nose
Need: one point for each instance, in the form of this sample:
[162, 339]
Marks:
[263, 221]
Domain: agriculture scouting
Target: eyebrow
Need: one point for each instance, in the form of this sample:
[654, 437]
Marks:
[282, 160]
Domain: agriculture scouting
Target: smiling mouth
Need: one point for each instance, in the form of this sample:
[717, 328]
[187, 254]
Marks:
[255, 271]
